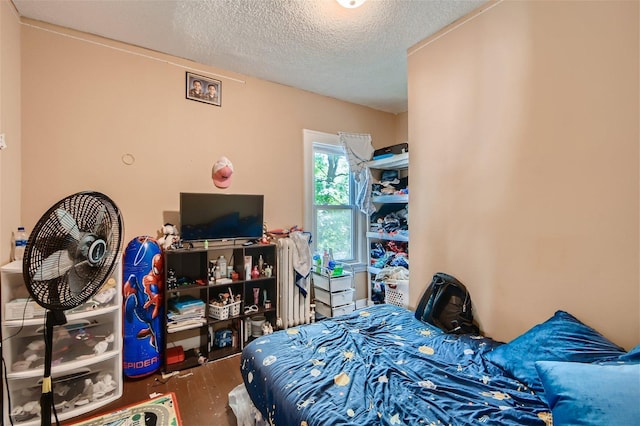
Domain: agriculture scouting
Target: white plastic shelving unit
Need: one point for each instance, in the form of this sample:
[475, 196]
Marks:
[399, 162]
[87, 351]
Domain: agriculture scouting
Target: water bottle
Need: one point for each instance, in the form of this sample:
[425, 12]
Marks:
[317, 262]
[222, 265]
[21, 244]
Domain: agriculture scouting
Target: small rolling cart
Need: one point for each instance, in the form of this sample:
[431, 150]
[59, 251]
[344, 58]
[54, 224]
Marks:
[334, 291]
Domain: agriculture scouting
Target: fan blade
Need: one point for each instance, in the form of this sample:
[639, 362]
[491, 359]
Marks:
[68, 223]
[53, 266]
[79, 277]
[100, 217]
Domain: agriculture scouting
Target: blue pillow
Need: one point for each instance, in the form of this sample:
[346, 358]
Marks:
[591, 394]
[561, 338]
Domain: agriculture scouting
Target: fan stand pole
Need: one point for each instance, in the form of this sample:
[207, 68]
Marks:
[46, 399]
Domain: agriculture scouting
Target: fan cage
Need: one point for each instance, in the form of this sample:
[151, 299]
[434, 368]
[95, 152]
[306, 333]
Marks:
[94, 213]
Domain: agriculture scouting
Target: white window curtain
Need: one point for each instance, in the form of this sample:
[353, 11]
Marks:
[359, 150]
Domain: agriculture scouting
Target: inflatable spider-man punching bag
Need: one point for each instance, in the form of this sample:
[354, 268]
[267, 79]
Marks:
[143, 307]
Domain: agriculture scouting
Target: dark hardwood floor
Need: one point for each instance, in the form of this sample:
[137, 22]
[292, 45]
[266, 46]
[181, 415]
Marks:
[202, 393]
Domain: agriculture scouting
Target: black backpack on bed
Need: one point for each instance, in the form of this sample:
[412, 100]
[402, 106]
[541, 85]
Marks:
[446, 303]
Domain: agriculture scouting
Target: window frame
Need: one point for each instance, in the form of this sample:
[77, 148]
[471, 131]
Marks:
[311, 137]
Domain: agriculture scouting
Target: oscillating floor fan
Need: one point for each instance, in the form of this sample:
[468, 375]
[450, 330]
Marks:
[69, 255]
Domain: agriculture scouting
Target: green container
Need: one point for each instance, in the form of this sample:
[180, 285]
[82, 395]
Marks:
[337, 271]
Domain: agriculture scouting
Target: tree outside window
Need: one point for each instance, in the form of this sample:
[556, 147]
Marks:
[333, 198]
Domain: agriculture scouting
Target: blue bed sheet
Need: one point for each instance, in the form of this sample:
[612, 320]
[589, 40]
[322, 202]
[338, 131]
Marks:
[381, 365]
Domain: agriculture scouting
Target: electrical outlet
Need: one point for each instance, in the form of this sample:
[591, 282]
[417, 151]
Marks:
[3, 143]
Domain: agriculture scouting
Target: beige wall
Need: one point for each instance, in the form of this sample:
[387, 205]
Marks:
[85, 105]
[402, 128]
[524, 139]
[10, 158]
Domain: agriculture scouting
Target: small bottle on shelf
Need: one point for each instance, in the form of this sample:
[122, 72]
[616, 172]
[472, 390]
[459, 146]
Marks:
[222, 265]
[20, 244]
[317, 263]
[255, 273]
[213, 265]
[325, 259]
[234, 338]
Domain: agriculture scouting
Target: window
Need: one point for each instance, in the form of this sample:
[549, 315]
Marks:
[335, 222]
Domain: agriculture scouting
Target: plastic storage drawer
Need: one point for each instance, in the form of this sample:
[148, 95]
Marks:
[332, 284]
[327, 311]
[76, 340]
[337, 298]
[76, 392]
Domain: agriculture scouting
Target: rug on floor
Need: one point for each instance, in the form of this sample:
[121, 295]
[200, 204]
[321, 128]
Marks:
[158, 411]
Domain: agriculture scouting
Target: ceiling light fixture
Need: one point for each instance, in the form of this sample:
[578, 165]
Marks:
[350, 4]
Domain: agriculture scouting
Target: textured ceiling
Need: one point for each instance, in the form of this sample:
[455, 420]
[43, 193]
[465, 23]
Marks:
[357, 55]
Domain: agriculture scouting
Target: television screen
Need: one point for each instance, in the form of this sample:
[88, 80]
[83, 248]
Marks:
[220, 216]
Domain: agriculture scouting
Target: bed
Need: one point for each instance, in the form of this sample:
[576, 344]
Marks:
[381, 365]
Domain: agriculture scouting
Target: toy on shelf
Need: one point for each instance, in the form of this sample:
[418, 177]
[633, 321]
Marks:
[170, 237]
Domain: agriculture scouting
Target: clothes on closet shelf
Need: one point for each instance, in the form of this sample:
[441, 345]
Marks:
[391, 219]
[396, 273]
[389, 253]
[390, 184]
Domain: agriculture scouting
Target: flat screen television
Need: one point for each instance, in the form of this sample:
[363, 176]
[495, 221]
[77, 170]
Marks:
[220, 216]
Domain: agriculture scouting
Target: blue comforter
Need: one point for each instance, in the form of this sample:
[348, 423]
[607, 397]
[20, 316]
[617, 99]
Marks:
[381, 365]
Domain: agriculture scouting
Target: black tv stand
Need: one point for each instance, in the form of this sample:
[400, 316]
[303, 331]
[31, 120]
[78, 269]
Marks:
[194, 263]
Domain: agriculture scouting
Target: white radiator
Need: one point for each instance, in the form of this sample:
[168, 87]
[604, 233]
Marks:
[293, 308]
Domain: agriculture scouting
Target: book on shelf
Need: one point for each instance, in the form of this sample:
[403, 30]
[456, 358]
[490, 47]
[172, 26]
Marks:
[185, 325]
[185, 317]
[185, 304]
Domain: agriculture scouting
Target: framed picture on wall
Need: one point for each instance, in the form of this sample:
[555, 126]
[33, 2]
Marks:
[203, 89]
